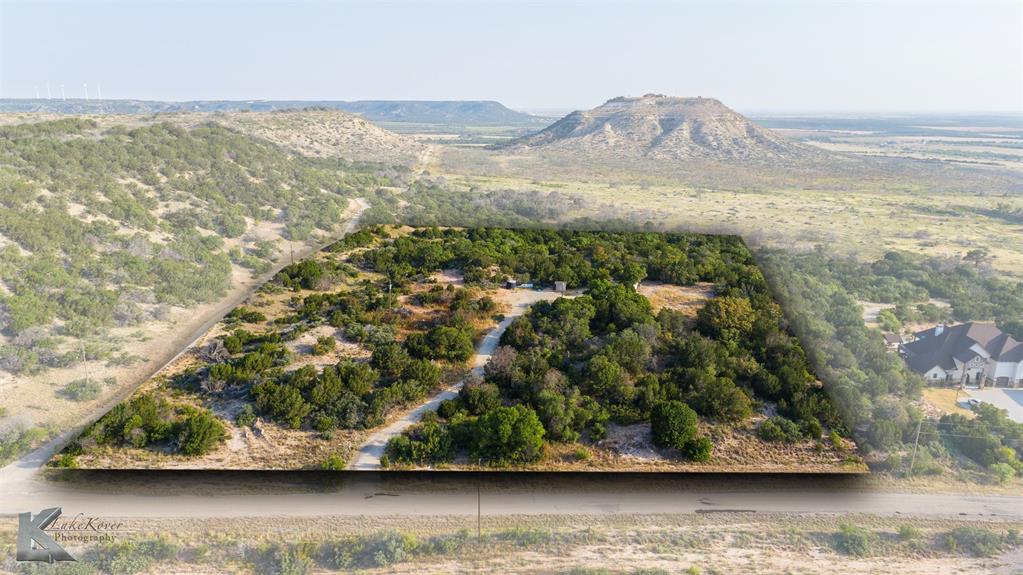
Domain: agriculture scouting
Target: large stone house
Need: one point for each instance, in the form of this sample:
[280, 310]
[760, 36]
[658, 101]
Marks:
[974, 353]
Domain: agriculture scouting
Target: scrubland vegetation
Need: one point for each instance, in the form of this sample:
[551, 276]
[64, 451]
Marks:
[872, 387]
[107, 229]
[563, 372]
[251, 360]
[104, 228]
[568, 367]
[602, 545]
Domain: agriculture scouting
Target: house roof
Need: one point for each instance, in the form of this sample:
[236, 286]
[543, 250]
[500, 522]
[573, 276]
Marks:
[892, 338]
[954, 342]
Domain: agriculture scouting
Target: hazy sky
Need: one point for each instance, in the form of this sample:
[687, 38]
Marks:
[753, 56]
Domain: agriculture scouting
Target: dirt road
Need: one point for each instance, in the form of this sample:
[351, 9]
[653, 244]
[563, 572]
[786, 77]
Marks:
[519, 300]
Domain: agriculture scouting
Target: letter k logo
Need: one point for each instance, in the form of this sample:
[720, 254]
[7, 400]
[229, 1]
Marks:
[34, 544]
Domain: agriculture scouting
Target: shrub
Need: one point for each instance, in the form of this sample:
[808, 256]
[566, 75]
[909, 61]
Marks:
[852, 540]
[779, 429]
[673, 424]
[421, 371]
[449, 408]
[83, 390]
[130, 557]
[334, 463]
[449, 343]
[1002, 472]
[283, 560]
[246, 418]
[390, 359]
[977, 541]
[246, 315]
[480, 398]
[698, 449]
[509, 435]
[908, 533]
[282, 402]
[66, 460]
[199, 432]
[427, 442]
[324, 344]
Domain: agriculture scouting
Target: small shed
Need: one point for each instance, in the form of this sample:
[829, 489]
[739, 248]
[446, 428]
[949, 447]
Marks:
[560, 287]
[511, 284]
[892, 340]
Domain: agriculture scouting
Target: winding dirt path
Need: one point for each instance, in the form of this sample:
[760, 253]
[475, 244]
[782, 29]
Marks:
[368, 456]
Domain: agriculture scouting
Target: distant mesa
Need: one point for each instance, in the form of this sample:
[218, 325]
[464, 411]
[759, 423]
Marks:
[448, 112]
[665, 128]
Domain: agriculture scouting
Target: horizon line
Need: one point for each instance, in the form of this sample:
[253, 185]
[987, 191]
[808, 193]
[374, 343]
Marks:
[532, 110]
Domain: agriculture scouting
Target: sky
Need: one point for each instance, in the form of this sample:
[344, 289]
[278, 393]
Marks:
[755, 57]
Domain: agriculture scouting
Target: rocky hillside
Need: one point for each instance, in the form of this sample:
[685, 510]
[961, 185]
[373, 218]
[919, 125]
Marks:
[663, 127]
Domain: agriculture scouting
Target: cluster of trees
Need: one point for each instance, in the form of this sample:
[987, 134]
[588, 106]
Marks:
[501, 435]
[909, 280]
[489, 255]
[348, 395]
[146, 420]
[312, 274]
[991, 439]
[576, 363]
[861, 377]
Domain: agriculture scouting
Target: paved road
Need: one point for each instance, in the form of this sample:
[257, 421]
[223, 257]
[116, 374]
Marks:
[1010, 400]
[311, 494]
[368, 456]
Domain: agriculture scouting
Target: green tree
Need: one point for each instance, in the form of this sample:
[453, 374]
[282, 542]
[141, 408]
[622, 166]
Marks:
[727, 318]
[629, 350]
[888, 321]
[509, 435]
[608, 381]
[673, 424]
[479, 397]
[199, 432]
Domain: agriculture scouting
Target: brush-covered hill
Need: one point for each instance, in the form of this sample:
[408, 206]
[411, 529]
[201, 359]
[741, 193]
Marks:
[312, 132]
[324, 133]
[120, 235]
[665, 128]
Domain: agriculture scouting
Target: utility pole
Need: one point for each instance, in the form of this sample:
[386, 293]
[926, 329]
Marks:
[479, 513]
[916, 443]
[85, 365]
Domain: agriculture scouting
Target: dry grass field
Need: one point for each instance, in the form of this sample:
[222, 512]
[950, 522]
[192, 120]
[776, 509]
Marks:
[732, 543]
[856, 222]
